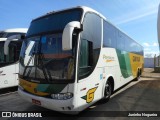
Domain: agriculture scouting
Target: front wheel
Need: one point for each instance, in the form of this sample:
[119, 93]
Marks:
[107, 91]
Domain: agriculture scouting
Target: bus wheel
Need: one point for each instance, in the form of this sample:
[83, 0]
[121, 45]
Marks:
[138, 75]
[107, 91]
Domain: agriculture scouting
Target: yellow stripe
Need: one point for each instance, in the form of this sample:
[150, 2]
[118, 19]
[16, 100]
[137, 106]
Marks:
[109, 60]
[31, 87]
[136, 61]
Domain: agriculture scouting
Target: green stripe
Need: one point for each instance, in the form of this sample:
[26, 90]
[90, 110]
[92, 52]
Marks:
[51, 88]
[124, 62]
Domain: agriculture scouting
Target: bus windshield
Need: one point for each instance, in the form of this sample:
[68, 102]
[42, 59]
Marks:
[53, 22]
[2, 52]
[2, 34]
[42, 58]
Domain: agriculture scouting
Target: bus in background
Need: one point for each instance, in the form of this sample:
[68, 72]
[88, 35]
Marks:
[75, 57]
[9, 66]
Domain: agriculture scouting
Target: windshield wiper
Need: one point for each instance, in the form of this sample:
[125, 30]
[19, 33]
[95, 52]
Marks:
[45, 71]
[38, 57]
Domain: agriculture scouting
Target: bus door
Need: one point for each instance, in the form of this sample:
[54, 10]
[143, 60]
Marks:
[89, 77]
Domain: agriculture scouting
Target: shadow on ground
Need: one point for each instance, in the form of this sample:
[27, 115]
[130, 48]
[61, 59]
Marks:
[143, 96]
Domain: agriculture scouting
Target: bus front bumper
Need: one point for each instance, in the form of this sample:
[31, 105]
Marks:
[57, 105]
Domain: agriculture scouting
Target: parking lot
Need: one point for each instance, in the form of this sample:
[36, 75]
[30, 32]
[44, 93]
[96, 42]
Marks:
[142, 95]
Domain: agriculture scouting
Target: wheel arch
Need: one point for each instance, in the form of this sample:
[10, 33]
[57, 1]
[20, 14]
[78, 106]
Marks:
[111, 79]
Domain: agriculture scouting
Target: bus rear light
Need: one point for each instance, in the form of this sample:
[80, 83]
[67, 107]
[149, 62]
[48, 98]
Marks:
[62, 96]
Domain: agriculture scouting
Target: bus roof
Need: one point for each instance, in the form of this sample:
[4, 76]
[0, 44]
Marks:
[21, 30]
[84, 8]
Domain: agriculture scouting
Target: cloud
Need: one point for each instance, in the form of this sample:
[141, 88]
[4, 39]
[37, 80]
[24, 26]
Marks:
[139, 11]
[150, 54]
[147, 49]
[146, 44]
[155, 44]
[137, 17]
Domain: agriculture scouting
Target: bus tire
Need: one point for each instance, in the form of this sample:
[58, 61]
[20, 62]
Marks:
[107, 91]
[138, 75]
[140, 71]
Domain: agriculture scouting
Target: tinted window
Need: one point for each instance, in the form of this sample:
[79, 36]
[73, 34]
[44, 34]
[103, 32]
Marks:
[90, 44]
[54, 22]
[2, 58]
[132, 46]
[2, 34]
[109, 35]
[13, 54]
[10, 34]
[121, 40]
[112, 37]
[10, 57]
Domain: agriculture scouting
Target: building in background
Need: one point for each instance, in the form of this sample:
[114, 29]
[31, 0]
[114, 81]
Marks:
[151, 62]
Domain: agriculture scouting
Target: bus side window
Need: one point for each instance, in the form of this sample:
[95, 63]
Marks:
[10, 57]
[86, 57]
[2, 58]
[90, 45]
[109, 34]
[87, 53]
[14, 51]
[17, 50]
[121, 41]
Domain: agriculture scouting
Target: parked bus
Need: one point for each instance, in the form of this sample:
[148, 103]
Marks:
[75, 57]
[9, 67]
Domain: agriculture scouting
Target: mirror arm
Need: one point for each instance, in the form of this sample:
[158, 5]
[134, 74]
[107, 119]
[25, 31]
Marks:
[9, 39]
[78, 30]
[67, 34]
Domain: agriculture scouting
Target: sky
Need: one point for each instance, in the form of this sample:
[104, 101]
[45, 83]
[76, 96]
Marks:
[137, 18]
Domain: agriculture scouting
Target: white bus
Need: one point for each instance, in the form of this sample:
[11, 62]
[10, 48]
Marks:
[75, 57]
[9, 67]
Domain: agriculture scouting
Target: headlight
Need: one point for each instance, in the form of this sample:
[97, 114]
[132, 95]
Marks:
[62, 96]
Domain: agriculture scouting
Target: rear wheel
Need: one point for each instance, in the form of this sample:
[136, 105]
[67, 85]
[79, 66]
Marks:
[138, 75]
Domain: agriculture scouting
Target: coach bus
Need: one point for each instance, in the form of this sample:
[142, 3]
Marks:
[72, 58]
[9, 67]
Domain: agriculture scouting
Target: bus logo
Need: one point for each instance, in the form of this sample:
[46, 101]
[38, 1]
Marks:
[136, 59]
[108, 58]
[90, 95]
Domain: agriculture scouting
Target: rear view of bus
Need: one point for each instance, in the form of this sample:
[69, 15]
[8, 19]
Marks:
[64, 65]
[9, 66]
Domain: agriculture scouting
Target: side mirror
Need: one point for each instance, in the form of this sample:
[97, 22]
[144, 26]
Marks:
[67, 34]
[9, 39]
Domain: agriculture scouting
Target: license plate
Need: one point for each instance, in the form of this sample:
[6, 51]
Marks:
[37, 102]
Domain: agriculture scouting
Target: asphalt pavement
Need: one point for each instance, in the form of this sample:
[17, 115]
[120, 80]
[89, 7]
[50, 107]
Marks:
[136, 97]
